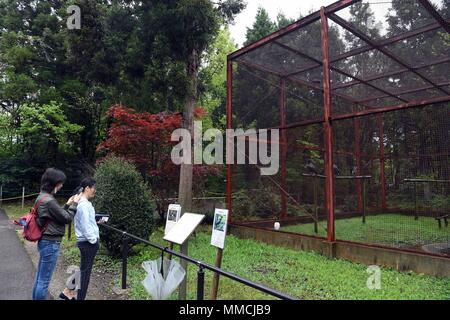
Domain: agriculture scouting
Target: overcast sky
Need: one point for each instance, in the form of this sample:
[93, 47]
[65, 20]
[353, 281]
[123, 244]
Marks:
[292, 9]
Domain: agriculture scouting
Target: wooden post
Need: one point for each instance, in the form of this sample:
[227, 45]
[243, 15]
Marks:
[215, 284]
[183, 286]
[186, 173]
[23, 197]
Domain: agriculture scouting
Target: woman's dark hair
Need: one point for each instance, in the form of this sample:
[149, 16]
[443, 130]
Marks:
[51, 178]
[87, 182]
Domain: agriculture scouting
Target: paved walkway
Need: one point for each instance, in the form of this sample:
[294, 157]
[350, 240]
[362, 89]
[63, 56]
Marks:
[16, 268]
[18, 263]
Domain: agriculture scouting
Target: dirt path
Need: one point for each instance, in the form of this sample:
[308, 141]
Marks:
[100, 285]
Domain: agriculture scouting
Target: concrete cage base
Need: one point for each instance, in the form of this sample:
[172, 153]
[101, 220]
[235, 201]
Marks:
[371, 255]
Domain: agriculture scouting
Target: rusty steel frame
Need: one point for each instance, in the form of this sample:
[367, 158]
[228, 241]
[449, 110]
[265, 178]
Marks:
[393, 73]
[348, 75]
[296, 80]
[283, 147]
[328, 118]
[432, 11]
[339, 5]
[327, 128]
[349, 27]
[385, 42]
[229, 126]
[443, 84]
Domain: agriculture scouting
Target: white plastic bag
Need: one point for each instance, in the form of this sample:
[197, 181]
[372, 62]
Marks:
[159, 287]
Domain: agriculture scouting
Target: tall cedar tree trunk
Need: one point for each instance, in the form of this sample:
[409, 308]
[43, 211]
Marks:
[185, 187]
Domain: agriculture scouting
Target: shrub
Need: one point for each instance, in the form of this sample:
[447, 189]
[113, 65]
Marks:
[243, 205]
[261, 203]
[267, 203]
[122, 193]
[440, 202]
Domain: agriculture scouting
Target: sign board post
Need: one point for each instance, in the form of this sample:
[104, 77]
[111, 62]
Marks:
[181, 231]
[183, 286]
[219, 232]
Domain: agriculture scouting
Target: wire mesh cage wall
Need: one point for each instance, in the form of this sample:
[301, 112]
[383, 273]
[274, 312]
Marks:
[361, 98]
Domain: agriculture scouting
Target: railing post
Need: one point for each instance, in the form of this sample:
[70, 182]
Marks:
[124, 260]
[1, 196]
[200, 282]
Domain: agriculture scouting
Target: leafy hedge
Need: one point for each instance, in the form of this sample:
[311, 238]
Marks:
[122, 193]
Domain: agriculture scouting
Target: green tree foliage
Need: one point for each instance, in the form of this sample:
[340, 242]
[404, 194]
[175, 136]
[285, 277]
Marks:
[49, 124]
[134, 53]
[262, 26]
[122, 193]
[213, 77]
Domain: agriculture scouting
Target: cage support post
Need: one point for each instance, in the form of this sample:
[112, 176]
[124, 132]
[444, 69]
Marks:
[316, 229]
[357, 151]
[328, 130]
[230, 140]
[283, 147]
[382, 175]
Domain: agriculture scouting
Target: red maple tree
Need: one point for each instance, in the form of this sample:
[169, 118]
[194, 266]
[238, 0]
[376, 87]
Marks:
[144, 139]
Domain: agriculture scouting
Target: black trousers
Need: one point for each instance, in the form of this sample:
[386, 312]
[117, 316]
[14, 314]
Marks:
[88, 252]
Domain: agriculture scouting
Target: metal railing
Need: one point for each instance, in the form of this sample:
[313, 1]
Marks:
[201, 267]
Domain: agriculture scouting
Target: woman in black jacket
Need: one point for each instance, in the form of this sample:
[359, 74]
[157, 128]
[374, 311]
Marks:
[50, 214]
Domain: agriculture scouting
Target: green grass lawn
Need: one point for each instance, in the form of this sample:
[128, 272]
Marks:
[14, 209]
[387, 229]
[305, 275]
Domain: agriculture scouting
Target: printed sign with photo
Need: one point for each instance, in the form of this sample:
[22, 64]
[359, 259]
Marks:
[219, 228]
[173, 215]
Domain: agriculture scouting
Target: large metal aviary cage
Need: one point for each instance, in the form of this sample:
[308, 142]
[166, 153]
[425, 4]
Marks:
[363, 109]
